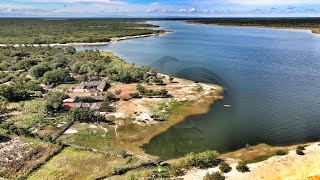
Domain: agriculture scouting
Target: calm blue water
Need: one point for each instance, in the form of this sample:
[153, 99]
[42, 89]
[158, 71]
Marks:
[272, 81]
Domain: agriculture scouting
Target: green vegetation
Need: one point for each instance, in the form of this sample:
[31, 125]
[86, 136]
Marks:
[225, 167]
[73, 163]
[13, 93]
[299, 150]
[281, 152]
[86, 115]
[202, 160]
[242, 167]
[300, 23]
[144, 91]
[13, 31]
[54, 101]
[92, 136]
[214, 176]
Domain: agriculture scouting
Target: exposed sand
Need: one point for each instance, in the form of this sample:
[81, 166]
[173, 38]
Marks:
[142, 109]
[291, 166]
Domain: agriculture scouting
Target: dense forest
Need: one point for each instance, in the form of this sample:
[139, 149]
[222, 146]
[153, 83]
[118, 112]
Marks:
[305, 23]
[46, 31]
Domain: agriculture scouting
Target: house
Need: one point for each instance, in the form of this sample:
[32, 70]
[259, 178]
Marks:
[90, 86]
[70, 103]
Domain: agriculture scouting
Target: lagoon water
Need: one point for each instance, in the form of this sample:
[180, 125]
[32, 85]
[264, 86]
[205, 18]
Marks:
[271, 76]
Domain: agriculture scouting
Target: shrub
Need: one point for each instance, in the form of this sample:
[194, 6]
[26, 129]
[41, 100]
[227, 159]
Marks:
[281, 152]
[224, 167]
[242, 167]
[301, 148]
[299, 152]
[214, 176]
[202, 160]
[135, 95]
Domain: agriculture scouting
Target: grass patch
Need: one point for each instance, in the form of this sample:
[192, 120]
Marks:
[99, 138]
[256, 153]
[73, 163]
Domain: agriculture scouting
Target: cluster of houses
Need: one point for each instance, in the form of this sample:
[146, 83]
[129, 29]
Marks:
[89, 86]
[70, 103]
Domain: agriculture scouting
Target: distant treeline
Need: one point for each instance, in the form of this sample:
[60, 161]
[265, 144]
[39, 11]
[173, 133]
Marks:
[46, 31]
[306, 23]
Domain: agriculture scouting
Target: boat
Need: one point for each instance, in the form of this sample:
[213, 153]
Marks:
[227, 105]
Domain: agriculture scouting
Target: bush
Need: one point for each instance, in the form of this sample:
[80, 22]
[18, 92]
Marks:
[224, 167]
[214, 176]
[202, 160]
[299, 152]
[242, 167]
[281, 152]
[301, 148]
[135, 95]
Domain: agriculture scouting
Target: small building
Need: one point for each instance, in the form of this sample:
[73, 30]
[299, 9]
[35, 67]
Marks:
[90, 86]
[68, 103]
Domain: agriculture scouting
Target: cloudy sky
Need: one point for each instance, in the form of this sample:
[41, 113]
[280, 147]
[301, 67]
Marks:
[160, 8]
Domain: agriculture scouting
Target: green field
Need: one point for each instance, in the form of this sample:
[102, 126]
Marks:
[77, 164]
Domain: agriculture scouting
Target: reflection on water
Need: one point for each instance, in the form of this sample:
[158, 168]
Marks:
[272, 78]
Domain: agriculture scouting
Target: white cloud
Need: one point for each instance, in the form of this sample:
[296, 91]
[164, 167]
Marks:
[77, 1]
[274, 2]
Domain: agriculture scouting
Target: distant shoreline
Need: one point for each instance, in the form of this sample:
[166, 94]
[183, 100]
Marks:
[113, 39]
[312, 30]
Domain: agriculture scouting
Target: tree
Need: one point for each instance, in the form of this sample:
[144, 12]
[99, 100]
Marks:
[39, 70]
[86, 115]
[54, 101]
[242, 167]
[224, 167]
[56, 76]
[14, 94]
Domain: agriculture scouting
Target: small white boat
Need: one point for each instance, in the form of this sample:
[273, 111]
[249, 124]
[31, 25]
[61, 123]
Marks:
[227, 105]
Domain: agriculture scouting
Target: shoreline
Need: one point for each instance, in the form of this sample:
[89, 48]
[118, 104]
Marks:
[311, 30]
[276, 167]
[113, 39]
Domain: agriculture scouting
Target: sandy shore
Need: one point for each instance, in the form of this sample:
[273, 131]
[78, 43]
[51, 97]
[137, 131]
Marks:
[312, 30]
[290, 166]
[114, 39]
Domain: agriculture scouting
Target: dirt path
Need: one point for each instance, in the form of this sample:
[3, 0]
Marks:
[291, 166]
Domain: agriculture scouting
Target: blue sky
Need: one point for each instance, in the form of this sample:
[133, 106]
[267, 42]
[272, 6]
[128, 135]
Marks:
[160, 8]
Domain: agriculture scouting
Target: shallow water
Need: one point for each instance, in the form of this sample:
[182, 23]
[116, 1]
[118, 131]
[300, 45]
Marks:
[271, 76]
